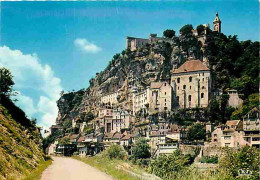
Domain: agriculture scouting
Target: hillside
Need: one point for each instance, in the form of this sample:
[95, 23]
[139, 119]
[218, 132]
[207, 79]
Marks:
[20, 142]
[227, 57]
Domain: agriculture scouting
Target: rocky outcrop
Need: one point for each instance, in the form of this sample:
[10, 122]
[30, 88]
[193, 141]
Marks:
[126, 70]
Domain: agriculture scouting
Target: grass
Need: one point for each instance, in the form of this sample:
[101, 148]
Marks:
[36, 173]
[108, 166]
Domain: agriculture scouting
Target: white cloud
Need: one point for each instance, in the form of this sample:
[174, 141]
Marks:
[27, 104]
[86, 46]
[35, 78]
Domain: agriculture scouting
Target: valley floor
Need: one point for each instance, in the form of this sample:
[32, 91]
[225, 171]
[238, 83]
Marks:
[63, 168]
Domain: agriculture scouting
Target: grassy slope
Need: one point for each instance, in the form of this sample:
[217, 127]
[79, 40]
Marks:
[20, 151]
[108, 166]
[36, 174]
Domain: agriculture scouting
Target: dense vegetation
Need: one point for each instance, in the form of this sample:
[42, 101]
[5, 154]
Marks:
[20, 138]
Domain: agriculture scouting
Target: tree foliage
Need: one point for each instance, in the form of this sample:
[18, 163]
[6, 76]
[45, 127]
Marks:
[196, 132]
[115, 152]
[141, 149]
[169, 33]
[235, 162]
[167, 167]
[6, 81]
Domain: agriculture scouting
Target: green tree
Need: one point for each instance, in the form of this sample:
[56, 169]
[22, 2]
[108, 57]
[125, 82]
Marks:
[168, 167]
[6, 81]
[196, 132]
[115, 152]
[169, 33]
[235, 161]
[186, 30]
[141, 149]
[200, 29]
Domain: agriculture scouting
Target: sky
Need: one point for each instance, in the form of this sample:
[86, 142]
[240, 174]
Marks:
[55, 46]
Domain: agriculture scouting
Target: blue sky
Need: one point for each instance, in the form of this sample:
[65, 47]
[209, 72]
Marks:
[67, 43]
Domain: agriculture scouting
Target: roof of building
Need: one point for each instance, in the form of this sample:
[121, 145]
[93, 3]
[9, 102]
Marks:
[232, 123]
[191, 66]
[255, 109]
[156, 85]
[81, 139]
[109, 135]
[117, 136]
[126, 137]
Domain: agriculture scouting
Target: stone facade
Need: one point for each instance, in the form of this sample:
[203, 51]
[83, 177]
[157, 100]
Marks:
[251, 127]
[121, 120]
[160, 96]
[111, 99]
[191, 84]
[140, 100]
[234, 99]
[217, 24]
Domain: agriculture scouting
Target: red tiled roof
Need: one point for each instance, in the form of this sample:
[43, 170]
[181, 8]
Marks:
[126, 137]
[117, 136]
[232, 123]
[191, 66]
[81, 139]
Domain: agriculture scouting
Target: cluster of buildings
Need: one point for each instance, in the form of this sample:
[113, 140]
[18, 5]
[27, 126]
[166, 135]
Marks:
[188, 87]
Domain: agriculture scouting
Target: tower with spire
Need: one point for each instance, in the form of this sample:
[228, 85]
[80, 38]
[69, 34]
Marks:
[217, 23]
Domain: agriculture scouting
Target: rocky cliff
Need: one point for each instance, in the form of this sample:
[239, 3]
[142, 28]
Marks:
[20, 143]
[127, 70]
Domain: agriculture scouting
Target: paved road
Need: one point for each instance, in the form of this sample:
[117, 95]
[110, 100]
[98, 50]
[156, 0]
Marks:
[63, 168]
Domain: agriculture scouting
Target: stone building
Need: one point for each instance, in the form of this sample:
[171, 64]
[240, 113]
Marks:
[121, 120]
[133, 43]
[111, 99]
[251, 127]
[217, 24]
[234, 99]
[140, 100]
[191, 84]
[104, 119]
[160, 96]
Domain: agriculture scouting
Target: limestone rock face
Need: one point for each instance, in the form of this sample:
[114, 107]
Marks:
[127, 70]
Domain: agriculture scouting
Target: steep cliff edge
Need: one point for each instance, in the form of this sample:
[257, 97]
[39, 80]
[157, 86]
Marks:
[20, 143]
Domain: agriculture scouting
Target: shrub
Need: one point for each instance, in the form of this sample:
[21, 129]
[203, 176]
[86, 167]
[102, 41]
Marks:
[209, 159]
[115, 152]
[244, 159]
[167, 167]
[141, 149]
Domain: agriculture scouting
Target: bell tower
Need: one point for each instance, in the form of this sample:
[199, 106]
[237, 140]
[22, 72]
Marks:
[217, 24]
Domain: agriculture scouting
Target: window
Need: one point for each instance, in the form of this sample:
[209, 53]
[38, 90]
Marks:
[178, 80]
[202, 79]
[178, 88]
[165, 100]
[165, 93]
[202, 74]
[164, 84]
[189, 97]
[184, 86]
[190, 79]
[190, 87]
[203, 87]
[165, 108]
[177, 99]
[202, 95]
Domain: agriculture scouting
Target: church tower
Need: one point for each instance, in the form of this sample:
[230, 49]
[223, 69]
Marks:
[217, 24]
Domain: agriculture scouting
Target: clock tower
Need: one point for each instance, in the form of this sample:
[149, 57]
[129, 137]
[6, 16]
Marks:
[217, 24]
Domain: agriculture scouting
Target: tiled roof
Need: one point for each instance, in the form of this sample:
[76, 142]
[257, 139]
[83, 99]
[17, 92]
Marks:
[81, 139]
[126, 137]
[117, 136]
[156, 85]
[232, 123]
[191, 66]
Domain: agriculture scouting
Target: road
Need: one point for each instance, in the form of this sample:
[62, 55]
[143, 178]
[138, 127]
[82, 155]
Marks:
[63, 168]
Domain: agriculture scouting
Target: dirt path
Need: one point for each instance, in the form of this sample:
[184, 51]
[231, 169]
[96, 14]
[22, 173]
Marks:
[63, 168]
